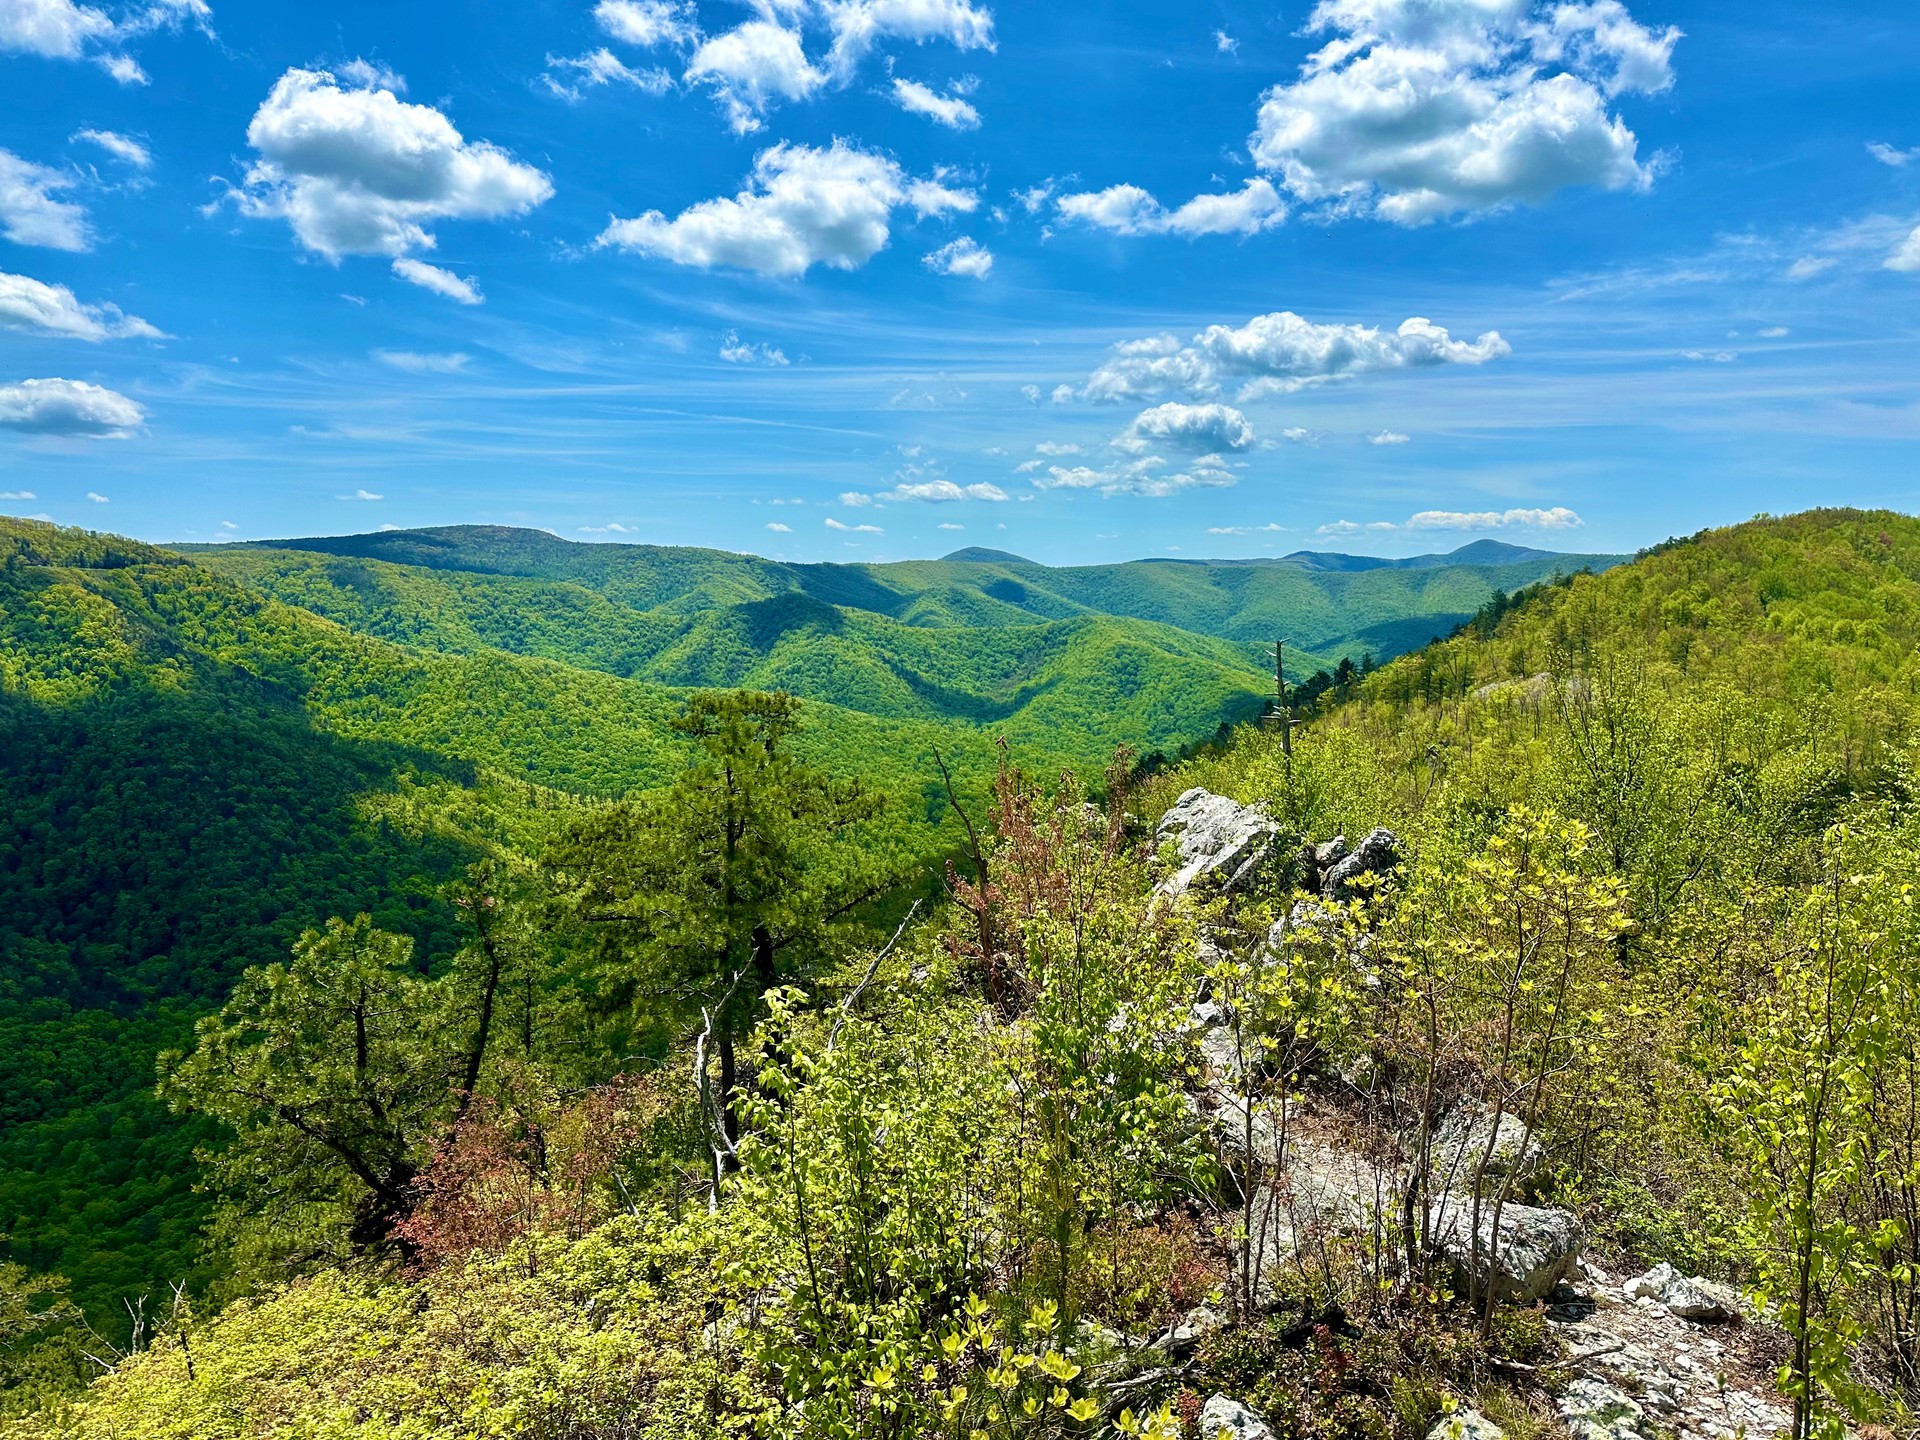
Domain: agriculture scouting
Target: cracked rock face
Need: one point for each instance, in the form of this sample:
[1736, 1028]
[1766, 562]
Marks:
[1223, 845]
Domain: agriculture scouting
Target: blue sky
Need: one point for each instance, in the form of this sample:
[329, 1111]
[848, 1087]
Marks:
[865, 279]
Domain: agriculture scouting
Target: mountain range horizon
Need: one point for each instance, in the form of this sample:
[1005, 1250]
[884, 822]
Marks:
[1483, 551]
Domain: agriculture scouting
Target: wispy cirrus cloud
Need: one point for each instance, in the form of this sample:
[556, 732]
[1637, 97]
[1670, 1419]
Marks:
[124, 148]
[416, 362]
[952, 109]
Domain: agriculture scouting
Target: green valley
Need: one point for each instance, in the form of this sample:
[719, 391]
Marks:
[717, 1107]
[209, 751]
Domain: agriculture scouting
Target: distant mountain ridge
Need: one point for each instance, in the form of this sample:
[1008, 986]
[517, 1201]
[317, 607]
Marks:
[445, 544]
[1326, 605]
[1477, 552]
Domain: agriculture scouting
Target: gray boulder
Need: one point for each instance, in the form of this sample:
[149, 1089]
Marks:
[1686, 1297]
[1224, 1419]
[1593, 1410]
[1529, 1252]
[1461, 1142]
[1465, 1425]
[1223, 845]
[1379, 853]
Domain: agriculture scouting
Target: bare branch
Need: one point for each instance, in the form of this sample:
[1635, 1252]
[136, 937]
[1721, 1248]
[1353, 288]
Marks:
[846, 1006]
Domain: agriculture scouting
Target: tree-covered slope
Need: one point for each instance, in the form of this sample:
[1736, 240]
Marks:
[843, 654]
[1636, 978]
[1326, 609]
[205, 754]
[193, 773]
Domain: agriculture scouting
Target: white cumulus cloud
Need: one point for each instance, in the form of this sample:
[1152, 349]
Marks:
[949, 109]
[68, 408]
[1906, 255]
[1891, 155]
[1147, 476]
[360, 495]
[858, 24]
[355, 170]
[29, 212]
[751, 67]
[64, 30]
[1559, 517]
[1418, 109]
[964, 256]
[1388, 437]
[1129, 210]
[764, 61]
[647, 23]
[1279, 354]
[802, 207]
[29, 304]
[833, 524]
[941, 492]
[778, 528]
[1209, 427]
[53, 29]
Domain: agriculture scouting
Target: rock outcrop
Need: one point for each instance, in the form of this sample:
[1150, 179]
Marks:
[1224, 846]
[1378, 854]
[1594, 1410]
[1465, 1425]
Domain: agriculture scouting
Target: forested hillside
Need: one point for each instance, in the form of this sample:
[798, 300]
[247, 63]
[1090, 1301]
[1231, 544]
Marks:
[207, 754]
[1529, 1047]
[1326, 605]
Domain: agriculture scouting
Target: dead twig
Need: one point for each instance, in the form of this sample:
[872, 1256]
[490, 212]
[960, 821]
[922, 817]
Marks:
[873, 967]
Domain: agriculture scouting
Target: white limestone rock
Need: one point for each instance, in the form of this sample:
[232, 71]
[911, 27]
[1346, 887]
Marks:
[1224, 1419]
